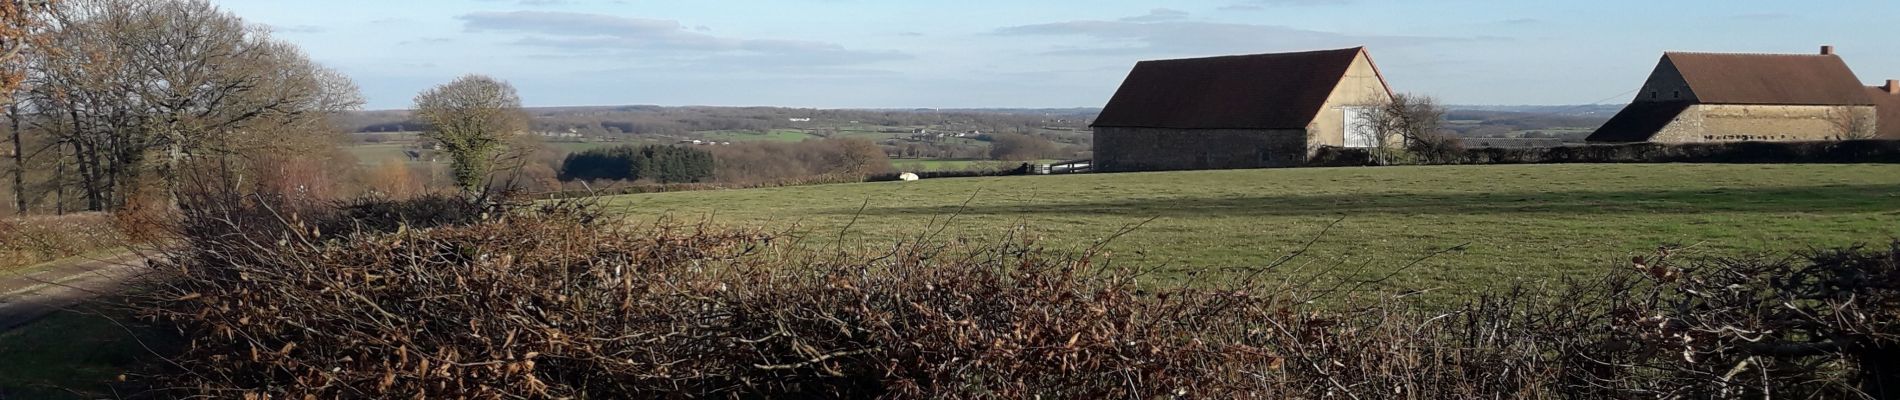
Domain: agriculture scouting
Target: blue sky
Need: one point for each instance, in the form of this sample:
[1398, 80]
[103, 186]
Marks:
[995, 53]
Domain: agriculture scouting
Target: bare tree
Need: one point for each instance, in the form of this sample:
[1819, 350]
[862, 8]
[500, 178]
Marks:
[23, 25]
[1020, 147]
[1409, 122]
[471, 118]
[177, 79]
[1851, 123]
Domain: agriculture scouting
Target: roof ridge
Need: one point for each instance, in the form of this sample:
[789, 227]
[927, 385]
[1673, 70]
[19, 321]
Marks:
[1718, 53]
[1289, 53]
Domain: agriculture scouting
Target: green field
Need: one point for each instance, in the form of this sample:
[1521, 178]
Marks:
[1531, 222]
[780, 135]
[377, 153]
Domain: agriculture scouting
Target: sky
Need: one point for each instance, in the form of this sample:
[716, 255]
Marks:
[1033, 53]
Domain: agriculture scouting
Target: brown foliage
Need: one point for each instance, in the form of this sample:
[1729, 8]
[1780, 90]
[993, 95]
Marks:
[396, 180]
[136, 91]
[23, 26]
[300, 182]
[554, 303]
[31, 240]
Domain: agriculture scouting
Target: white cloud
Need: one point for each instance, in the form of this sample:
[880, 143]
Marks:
[594, 34]
[1120, 38]
[1159, 14]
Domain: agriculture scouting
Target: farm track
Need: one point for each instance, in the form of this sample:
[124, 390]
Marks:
[26, 297]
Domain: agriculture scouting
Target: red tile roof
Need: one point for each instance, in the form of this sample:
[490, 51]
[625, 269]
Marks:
[1778, 79]
[1262, 91]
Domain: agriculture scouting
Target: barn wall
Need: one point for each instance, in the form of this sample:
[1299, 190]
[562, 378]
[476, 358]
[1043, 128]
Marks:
[1666, 84]
[1149, 149]
[1361, 86]
[1734, 123]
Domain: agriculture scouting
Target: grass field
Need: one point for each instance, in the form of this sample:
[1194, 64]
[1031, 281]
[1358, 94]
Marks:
[75, 354]
[377, 153]
[1531, 222]
[781, 135]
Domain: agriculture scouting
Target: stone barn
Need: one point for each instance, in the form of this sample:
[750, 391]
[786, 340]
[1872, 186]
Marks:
[1717, 97]
[1887, 102]
[1250, 111]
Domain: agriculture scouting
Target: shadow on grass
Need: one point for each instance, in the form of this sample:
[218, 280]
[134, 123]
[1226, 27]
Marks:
[1816, 199]
[77, 354]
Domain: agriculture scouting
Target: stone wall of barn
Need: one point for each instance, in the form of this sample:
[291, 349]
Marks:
[1150, 149]
[1738, 123]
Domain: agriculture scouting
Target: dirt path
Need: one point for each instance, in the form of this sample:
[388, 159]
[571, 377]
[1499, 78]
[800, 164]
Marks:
[29, 296]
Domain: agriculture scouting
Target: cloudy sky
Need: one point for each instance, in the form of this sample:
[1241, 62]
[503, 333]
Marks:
[1015, 53]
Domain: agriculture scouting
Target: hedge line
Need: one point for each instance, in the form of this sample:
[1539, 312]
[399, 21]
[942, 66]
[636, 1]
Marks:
[1831, 152]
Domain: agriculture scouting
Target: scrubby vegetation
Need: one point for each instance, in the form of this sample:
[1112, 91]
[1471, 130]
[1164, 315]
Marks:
[554, 301]
[25, 241]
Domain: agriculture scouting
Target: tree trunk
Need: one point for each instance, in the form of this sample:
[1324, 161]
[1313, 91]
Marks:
[59, 183]
[174, 160]
[87, 158]
[19, 160]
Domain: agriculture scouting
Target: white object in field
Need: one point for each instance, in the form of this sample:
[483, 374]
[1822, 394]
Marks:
[908, 177]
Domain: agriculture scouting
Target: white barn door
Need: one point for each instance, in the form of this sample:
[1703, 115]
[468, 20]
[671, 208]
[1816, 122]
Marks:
[1358, 135]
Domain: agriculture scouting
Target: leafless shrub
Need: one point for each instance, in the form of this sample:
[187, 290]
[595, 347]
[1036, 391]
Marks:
[1852, 123]
[554, 303]
[1826, 325]
[1413, 123]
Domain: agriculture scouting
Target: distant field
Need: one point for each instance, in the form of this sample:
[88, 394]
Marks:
[781, 135]
[920, 165]
[377, 153]
[1532, 222]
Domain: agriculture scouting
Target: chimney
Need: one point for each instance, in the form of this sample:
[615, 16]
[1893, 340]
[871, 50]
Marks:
[1827, 50]
[1893, 86]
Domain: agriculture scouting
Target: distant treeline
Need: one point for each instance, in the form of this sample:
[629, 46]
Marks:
[736, 165]
[655, 120]
[663, 164]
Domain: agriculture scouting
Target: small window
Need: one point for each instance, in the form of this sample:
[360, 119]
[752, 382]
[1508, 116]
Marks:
[1266, 156]
[1676, 94]
[1652, 95]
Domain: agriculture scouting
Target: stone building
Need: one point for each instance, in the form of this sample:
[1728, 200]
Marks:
[1714, 97]
[1250, 111]
[1887, 102]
